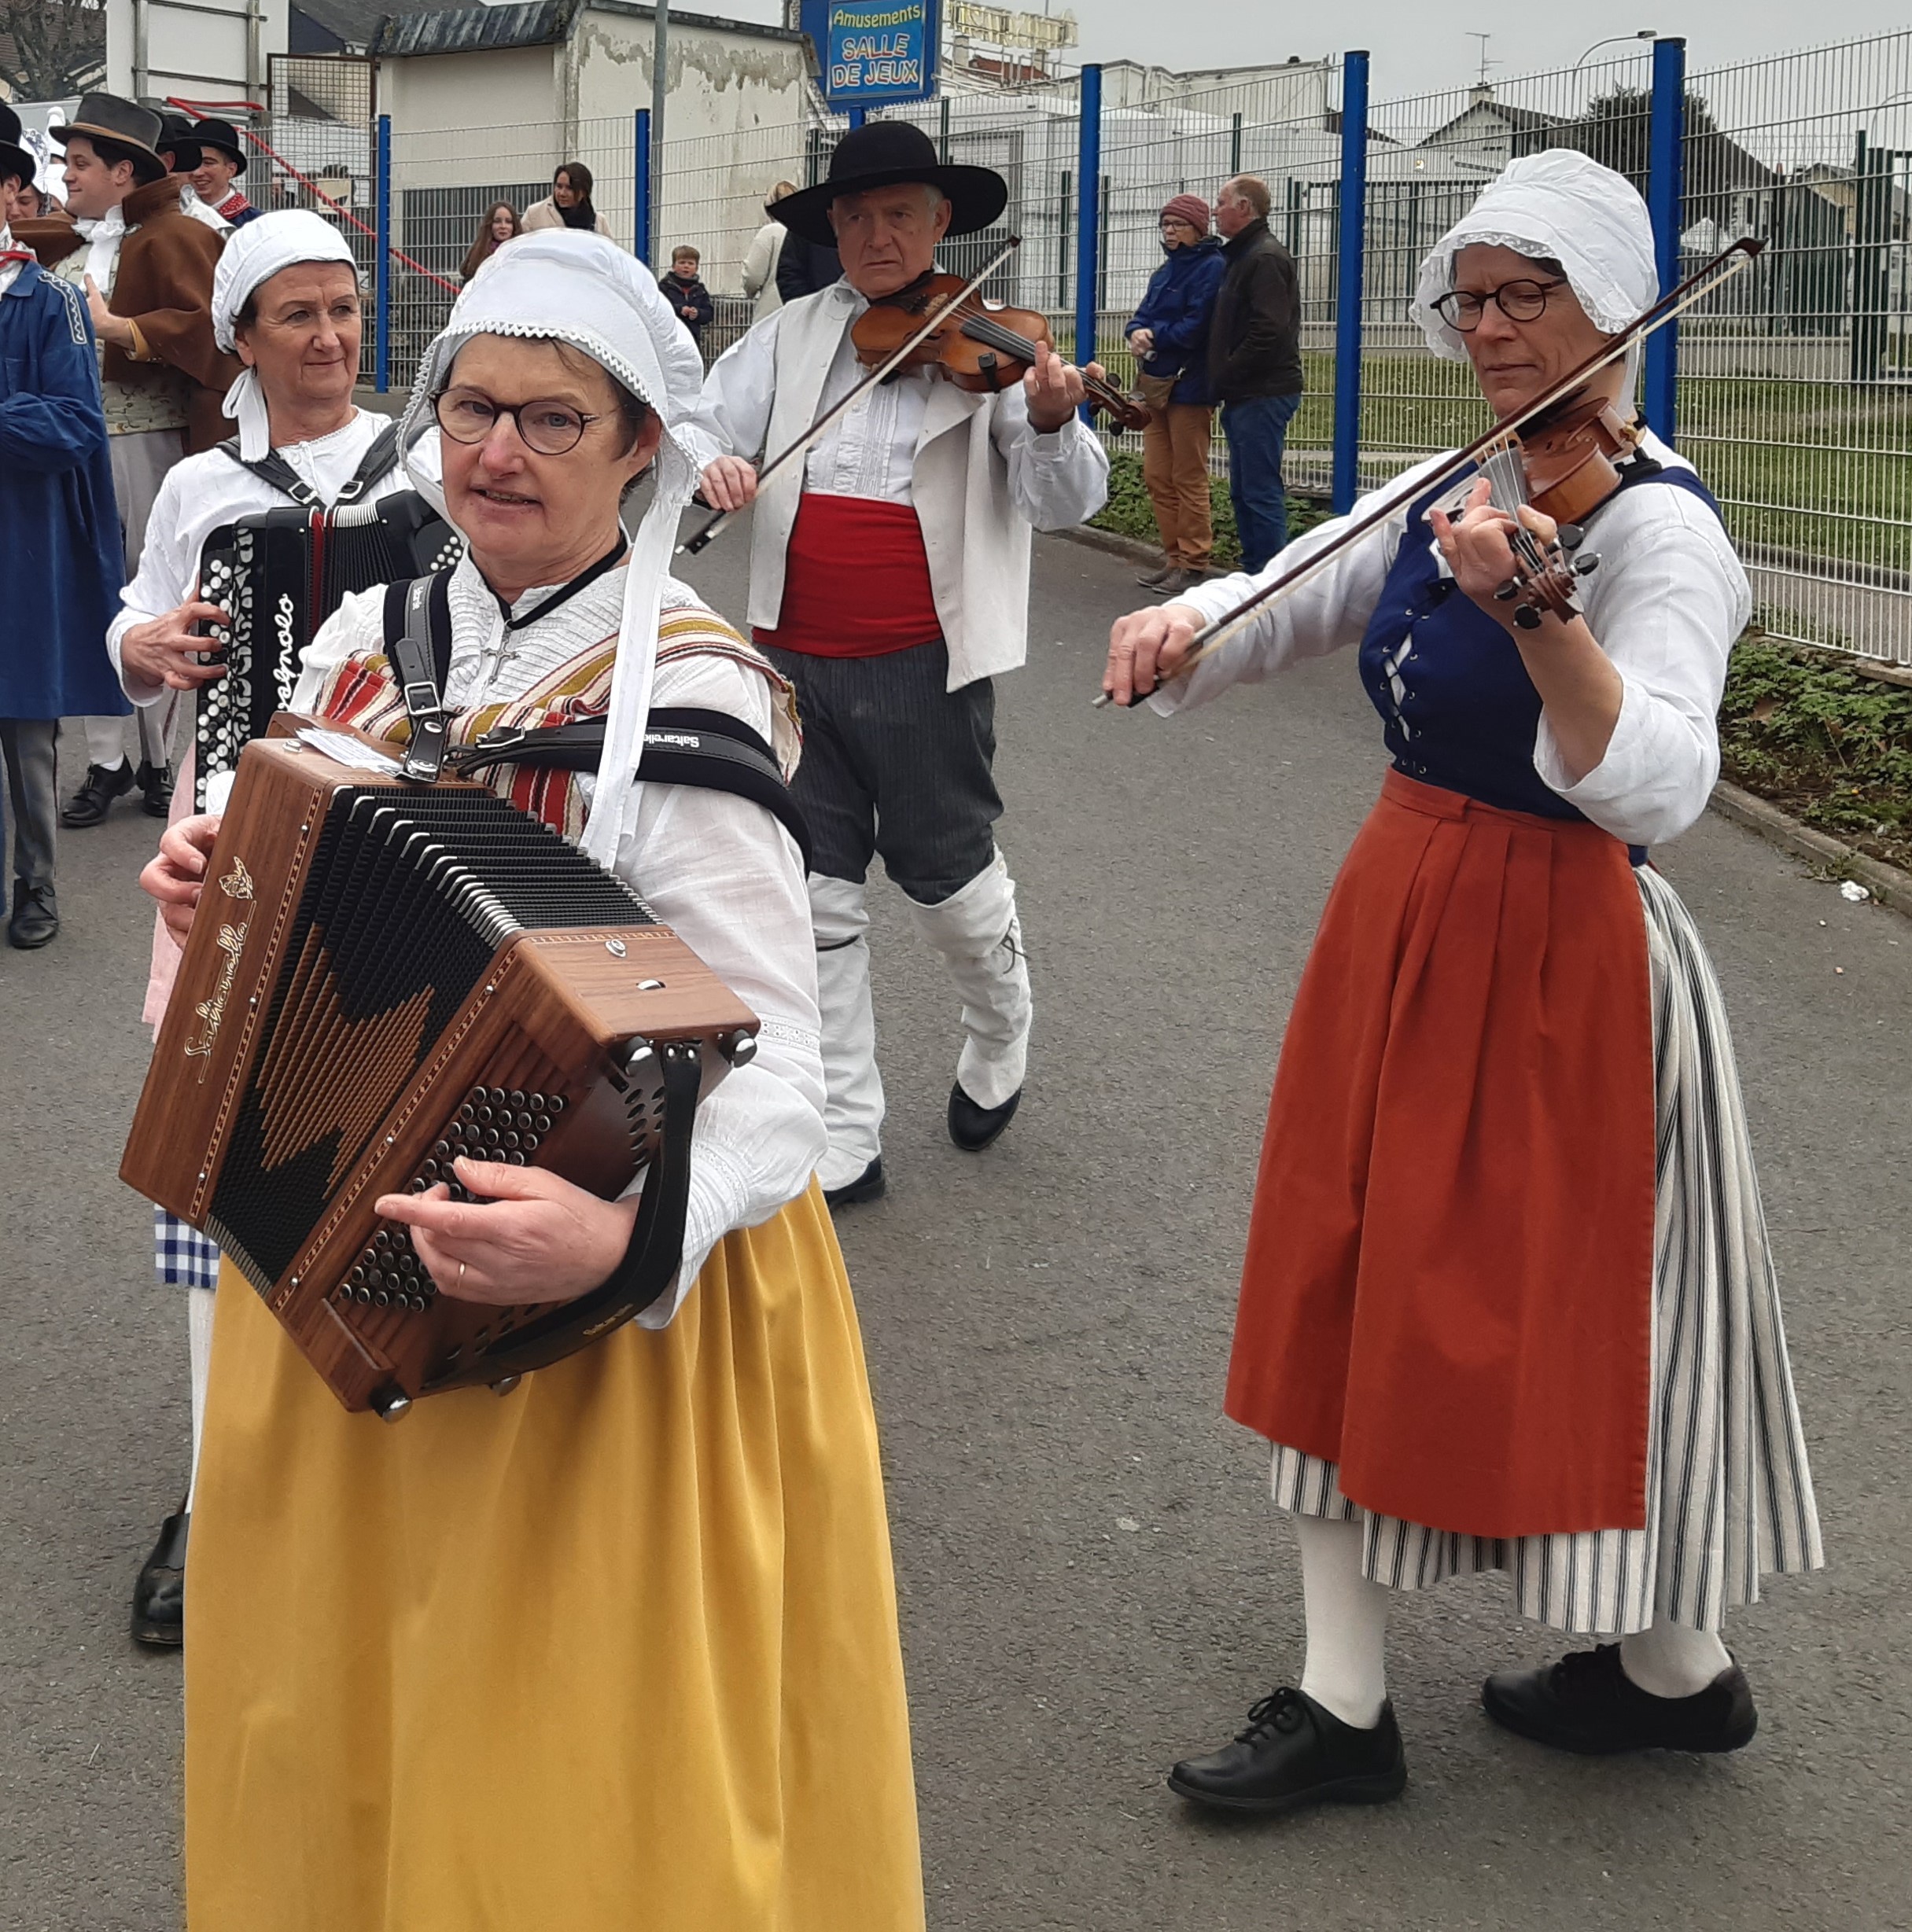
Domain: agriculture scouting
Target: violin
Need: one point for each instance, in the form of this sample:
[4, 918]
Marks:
[981, 346]
[1562, 463]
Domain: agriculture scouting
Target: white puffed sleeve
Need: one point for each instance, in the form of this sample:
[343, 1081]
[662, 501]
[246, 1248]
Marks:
[1667, 604]
[1327, 613]
[727, 877]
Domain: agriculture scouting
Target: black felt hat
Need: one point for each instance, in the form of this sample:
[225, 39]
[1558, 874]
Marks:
[881, 154]
[178, 140]
[214, 133]
[15, 160]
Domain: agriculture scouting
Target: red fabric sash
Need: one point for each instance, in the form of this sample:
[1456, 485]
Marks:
[1449, 1280]
[856, 580]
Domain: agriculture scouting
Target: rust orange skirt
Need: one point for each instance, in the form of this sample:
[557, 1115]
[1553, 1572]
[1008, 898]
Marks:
[1448, 1286]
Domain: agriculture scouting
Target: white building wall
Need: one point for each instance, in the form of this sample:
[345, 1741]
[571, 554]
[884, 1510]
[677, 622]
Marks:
[210, 51]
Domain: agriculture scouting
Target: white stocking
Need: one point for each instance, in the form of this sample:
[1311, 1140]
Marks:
[1346, 1671]
[980, 937]
[199, 1302]
[1672, 1660]
[853, 1099]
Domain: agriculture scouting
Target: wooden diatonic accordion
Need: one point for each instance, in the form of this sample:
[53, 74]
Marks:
[280, 574]
[382, 976]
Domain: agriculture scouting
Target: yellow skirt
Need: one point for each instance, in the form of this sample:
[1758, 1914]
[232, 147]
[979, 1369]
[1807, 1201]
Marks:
[616, 1650]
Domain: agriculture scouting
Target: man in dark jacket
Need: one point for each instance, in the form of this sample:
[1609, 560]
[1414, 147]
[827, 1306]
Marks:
[1169, 335]
[805, 267]
[1254, 365]
[686, 293]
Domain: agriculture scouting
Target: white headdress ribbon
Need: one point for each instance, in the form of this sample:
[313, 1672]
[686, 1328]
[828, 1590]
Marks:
[564, 285]
[1564, 206]
[252, 256]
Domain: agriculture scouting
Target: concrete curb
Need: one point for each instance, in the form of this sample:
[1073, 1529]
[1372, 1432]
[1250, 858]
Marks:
[1133, 548]
[1887, 884]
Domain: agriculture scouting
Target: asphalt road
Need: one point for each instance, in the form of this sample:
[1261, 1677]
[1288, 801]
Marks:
[1092, 1581]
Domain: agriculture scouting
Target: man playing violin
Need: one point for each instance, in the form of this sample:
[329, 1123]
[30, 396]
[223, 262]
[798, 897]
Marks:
[890, 582]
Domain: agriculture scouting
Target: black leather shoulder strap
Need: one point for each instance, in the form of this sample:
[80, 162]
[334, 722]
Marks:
[417, 627]
[706, 748]
[379, 461]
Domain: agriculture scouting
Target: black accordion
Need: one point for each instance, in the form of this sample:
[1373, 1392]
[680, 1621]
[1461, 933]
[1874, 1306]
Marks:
[281, 573]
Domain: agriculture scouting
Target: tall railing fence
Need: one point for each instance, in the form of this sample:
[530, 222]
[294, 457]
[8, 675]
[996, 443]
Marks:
[1791, 388]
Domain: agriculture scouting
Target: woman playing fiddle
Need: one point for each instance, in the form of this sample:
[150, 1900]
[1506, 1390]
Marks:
[1508, 1303]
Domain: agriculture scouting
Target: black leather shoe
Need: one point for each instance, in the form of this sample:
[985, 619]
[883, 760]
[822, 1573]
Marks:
[98, 790]
[973, 1127]
[1295, 1753]
[159, 1597]
[1586, 1703]
[869, 1185]
[36, 919]
[155, 783]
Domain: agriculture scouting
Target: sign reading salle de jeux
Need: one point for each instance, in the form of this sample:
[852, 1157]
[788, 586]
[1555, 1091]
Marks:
[874, 51]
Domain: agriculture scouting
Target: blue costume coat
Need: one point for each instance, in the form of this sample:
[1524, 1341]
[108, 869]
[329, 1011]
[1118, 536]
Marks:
[1179, 307]
[59, 520]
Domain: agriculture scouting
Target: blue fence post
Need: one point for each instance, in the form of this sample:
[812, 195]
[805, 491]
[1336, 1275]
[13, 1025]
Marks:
[858, 116]
[640, 214]
[1351, 247]
[1089, 217]
[1665, 191]
[381, 314]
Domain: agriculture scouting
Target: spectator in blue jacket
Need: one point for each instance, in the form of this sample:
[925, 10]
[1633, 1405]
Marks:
[1169, 335]
[59, 548]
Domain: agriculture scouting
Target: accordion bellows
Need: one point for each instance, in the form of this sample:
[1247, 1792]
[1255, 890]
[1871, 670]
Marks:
[381, 978]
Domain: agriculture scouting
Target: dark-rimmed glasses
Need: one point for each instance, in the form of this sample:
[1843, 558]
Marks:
[1520, 301]
[549, 428]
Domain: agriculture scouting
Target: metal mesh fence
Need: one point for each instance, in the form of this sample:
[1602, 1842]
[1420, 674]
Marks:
[1795, 382]
[1429, 156]
[1794, 385]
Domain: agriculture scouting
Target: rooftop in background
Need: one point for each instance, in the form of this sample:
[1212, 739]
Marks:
[415, 26]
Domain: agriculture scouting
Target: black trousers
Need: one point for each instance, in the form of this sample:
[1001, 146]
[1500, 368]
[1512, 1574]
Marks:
[897, 765]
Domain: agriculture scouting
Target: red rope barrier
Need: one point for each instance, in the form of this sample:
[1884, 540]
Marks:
[311, 186]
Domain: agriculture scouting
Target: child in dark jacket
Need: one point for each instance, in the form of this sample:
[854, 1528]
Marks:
[1169, 334]
[686, 294]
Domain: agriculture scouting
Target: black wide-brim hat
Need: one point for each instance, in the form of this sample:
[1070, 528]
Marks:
[214, 133]
[881, 154]
[177, 138]
[15, 160]
[108, 117]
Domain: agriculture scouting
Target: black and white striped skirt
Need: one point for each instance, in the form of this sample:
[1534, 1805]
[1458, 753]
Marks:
[1729, 1496]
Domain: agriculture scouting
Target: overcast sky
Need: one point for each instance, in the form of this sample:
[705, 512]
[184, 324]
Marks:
[1418, 46]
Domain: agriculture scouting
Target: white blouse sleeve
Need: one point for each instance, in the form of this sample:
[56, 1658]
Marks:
[1058, 478]
[732, 416]
[727, 877]
[1667, 604]
[164, 576]
[1327, 613]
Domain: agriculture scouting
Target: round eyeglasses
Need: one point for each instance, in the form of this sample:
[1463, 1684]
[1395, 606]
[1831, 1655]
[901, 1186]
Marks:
[1522, 301]
[547, 428]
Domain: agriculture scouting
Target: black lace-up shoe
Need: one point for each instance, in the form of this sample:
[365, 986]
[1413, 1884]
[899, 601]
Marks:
[159, 1597]
[1586, 1703]
[973, 1127]
[869, 1185]
[36, 918]
[1294, 1752]
[155, 782]
[98, 790]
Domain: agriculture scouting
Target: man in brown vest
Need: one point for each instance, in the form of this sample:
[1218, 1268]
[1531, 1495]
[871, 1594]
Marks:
[146, 270]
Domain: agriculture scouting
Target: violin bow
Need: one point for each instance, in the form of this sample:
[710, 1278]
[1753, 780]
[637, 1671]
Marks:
[697, 542]
[1212, 636]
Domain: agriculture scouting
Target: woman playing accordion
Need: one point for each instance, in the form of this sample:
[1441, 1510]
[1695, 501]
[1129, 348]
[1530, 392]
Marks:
[1508, 1303]
[620, 1648]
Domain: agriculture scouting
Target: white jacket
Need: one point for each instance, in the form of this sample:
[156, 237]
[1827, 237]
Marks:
[760, 269]
[980, 477]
